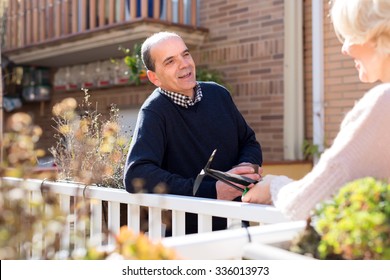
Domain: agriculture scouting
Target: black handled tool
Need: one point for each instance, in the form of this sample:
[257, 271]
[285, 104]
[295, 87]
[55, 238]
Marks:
[225, 177]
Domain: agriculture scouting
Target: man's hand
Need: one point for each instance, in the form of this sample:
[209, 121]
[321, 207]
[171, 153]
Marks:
[226, 192]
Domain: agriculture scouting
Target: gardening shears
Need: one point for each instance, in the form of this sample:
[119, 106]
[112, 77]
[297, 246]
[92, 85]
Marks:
[225, 177]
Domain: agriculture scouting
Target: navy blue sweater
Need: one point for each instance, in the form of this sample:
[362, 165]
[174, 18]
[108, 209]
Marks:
[171, 144]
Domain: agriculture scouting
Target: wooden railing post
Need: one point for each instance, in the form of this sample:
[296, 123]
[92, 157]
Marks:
[22, 23]
[122, 11]
[42, 20]
[133, 9]
[83, 15]
[74, 16]
[9, 25]
[111, 12]
[102, 12]
[181, 11]
[15, 31]
[28, 26]
[144, 8]
[35, 23]
[92, 14]
[57, 19]
[67, 15]
[169, 10]
[194, 10]
[156, 9]
[50, 19]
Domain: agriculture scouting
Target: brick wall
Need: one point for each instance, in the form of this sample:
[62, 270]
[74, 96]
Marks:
[245, 43]
[342, 87]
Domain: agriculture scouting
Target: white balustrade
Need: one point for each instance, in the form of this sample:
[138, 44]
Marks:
[70, 193]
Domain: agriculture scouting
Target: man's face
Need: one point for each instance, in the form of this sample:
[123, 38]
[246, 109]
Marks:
[174, 67]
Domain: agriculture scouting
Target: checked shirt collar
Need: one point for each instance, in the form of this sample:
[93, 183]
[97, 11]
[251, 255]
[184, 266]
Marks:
[183, 100]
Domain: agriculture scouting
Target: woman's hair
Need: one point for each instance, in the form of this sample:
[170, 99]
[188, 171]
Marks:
[149, 43]
[361, 21]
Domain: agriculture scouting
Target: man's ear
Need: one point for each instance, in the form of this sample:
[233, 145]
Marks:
[153, 78]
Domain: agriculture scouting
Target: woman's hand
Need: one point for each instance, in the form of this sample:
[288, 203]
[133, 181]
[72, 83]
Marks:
[259, 193]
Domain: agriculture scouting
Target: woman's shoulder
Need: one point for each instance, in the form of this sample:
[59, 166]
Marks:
[375, 101]
[377, 96]
[381, 91]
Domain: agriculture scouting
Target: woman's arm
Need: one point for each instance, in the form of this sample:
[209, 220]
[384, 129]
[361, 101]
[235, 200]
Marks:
[359, 150]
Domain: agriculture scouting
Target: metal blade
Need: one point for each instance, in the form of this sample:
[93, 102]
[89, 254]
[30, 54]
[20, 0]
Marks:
[202, 173]
[197, 182]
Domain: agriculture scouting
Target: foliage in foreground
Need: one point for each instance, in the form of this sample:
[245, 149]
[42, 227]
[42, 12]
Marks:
[32, 224]
[33, 227]
[353, 225]
[19, 140]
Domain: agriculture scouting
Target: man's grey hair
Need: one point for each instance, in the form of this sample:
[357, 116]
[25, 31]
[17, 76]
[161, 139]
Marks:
[149, 43]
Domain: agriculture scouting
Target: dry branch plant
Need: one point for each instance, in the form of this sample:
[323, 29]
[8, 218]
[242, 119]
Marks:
[89, 149]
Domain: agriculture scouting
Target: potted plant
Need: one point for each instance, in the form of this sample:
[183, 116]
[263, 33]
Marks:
[135, 69]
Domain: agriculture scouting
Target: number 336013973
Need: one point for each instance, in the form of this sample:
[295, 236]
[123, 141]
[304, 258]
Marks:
[255, 270]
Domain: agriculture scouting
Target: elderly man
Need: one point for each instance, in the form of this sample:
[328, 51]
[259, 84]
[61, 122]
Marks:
[179, 126]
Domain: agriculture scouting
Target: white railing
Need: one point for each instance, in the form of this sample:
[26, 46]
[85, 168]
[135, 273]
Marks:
[68, 193]
[243, 243]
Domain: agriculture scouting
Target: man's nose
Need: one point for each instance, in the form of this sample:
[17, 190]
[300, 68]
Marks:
[183, 62]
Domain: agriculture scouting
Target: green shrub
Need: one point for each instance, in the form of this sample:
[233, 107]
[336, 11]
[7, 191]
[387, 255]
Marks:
[355, 224]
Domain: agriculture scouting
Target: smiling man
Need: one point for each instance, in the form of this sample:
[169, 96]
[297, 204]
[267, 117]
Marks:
[179, 126]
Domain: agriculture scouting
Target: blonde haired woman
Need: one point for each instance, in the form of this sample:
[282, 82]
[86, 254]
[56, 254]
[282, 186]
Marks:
[362, 146]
